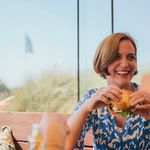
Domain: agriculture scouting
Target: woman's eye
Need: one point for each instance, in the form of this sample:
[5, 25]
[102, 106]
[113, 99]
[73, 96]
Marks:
[131, 57]
[117, 57]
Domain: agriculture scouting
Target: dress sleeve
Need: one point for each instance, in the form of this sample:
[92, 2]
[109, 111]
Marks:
[89, 120]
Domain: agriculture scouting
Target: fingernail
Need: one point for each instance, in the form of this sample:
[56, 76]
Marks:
[131, 104]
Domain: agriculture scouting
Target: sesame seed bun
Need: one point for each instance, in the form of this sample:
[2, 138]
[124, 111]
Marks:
[123, 103]
[117, 107]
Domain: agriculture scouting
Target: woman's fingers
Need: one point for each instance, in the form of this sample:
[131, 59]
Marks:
[147, 96]
[136, 95]
[111, 93]
[104, 99]
[145, 106]
[104, 96]
[140, 100]
[101, 101]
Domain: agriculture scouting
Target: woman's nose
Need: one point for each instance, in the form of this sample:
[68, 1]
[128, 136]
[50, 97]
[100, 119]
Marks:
[124, 62]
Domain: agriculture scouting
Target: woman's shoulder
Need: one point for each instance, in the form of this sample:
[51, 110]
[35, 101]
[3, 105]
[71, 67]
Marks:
[85, 97]
[89, 92]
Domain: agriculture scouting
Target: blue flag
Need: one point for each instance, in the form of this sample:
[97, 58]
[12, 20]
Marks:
[28, 44]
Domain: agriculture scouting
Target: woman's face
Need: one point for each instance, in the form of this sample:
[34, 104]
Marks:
[124, 66]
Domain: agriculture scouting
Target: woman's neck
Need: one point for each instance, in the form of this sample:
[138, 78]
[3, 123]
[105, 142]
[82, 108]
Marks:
[123, 85]
[130, 87]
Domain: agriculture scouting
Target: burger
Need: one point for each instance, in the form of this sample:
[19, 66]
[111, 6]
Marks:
[121, 107]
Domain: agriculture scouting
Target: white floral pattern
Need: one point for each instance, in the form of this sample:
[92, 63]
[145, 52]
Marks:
[135, 134]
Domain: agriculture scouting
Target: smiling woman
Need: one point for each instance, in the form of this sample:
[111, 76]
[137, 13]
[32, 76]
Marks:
[123, 68]
[103, 58]
[115, 60]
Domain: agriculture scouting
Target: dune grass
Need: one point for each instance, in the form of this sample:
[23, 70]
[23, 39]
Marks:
[52, 91]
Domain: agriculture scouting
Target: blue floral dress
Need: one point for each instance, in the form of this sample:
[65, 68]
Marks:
[135, 134]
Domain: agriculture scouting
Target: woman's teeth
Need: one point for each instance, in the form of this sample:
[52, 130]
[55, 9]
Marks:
[122, 72]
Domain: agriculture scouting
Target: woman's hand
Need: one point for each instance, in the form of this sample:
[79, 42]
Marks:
[140, 102]
[103, 97]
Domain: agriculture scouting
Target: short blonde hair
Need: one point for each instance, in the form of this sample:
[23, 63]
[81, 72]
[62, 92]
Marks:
[107, 50]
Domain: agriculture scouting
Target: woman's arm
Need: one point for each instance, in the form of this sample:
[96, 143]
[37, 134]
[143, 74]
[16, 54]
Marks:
[75, 123]
[78, 119]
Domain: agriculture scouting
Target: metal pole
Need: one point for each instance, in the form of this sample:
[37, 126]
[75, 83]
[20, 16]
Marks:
[112, 16]
[78, 53]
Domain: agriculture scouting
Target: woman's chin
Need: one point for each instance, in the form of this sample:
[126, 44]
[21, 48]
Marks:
[123, 84]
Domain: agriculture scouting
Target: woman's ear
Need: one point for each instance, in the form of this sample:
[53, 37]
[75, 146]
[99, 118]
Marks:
[135, 72]
[106, 73]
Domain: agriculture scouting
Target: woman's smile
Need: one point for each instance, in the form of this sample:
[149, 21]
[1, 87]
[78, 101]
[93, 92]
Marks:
[123, 68]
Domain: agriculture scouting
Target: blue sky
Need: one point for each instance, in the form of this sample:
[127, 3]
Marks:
[51, 26]
[50, 32]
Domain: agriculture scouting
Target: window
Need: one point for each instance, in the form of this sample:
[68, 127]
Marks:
[38, 54]
[95, 24]
[133, 17]
[39, 48]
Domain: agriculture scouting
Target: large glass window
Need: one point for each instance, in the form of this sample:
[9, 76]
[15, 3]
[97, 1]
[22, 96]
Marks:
[38, 54]
[133, 17]
[39, 48]
[95, 24]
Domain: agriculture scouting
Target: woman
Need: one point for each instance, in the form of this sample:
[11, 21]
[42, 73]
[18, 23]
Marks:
[116, 61]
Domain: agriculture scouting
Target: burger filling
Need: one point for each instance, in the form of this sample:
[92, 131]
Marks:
[123, 113]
